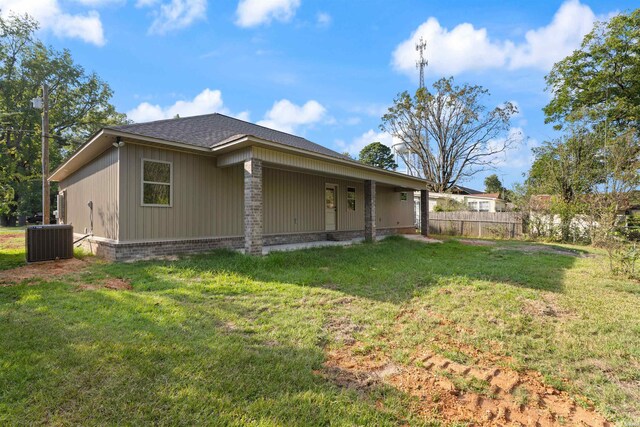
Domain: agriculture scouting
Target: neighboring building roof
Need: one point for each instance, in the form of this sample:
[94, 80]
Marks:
[214, 129]
[465, 190]
[475, 195]
[486, 195]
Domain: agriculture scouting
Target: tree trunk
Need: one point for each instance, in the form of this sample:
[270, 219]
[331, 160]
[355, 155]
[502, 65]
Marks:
[565, 227]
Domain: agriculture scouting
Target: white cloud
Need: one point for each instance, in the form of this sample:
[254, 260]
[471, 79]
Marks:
[546, 45]
[358, 143]
[175, 15]
[466, 48]
[450, 52]
[518, 155]
[251, 13]
[287, 116]
[206, 102]
[86, 27]
[323, 19]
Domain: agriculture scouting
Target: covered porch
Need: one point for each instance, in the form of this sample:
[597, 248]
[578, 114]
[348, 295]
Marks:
[292, 203]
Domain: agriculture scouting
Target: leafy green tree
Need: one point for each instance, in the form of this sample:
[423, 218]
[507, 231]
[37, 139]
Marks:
[600, 82]
[492, 184]
[568, 169]
[79, 105]
[448, 134]
[596, 90]
[378, 155]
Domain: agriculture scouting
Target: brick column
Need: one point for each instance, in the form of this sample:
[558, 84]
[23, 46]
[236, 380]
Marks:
[253, 207]
[424, 212]
[370, 211]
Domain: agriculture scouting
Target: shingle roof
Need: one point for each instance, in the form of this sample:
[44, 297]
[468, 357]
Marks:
[467, 190]
[211, 130]
[491, 195]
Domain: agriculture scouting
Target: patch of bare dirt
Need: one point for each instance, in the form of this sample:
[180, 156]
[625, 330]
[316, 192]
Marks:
[472, 242]
[342, 330]
[482, 392]
[12, 240]
[42, 270]
[108, 283]
[545, 307]
[531, 249]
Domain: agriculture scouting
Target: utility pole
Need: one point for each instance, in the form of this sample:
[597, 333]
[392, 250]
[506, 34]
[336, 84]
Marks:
[46, 202]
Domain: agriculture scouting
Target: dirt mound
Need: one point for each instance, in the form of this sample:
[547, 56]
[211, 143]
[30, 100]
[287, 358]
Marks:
[482, 391]
[41, 270]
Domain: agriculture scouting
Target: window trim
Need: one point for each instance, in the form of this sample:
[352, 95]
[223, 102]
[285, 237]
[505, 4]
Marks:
[355, 203]
[143, 182]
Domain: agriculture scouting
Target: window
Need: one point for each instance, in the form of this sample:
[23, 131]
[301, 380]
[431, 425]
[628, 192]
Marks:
[473, 206]
[484, 207]
[156, 183]
[351, 198]
[404, 196]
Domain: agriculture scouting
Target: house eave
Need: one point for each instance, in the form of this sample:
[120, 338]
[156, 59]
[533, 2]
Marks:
[102, 141]
[242, 141]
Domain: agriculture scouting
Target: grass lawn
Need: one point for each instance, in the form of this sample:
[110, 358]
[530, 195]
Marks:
[11, 247]
[226, 339]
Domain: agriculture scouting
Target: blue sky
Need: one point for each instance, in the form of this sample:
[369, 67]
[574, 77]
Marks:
[325, 70]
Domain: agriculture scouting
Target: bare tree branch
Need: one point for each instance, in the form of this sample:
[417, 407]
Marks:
[449, 132]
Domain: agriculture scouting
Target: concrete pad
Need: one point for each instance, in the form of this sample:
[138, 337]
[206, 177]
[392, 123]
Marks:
[317, 244]
[420, 238]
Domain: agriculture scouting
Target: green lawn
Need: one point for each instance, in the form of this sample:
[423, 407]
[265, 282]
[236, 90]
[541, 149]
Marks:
[11, 247]
[227, 339]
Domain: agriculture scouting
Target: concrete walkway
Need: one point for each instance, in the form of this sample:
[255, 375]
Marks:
[318, 244]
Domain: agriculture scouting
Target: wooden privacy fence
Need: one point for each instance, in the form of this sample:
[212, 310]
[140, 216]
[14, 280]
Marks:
[506, 225]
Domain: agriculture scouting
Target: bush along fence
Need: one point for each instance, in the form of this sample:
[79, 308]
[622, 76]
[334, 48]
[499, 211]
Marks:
[503, 225]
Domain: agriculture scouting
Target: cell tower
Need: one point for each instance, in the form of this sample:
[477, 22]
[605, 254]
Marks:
[421, 63]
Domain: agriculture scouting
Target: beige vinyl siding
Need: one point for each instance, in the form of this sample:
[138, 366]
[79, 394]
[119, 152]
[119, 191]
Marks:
[320, 167]
[207, 201]
[391, 211]
[97, 182]
[294, 202]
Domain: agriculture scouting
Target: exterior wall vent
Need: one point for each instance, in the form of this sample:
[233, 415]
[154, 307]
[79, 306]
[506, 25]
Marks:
[49, 242]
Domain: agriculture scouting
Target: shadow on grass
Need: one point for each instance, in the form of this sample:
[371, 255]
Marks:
[138, 358]
[392, 270]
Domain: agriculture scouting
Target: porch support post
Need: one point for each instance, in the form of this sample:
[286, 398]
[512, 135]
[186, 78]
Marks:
[253, 227]
[424, 212]
[370, 211]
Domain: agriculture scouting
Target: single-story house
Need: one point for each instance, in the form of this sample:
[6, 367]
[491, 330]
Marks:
[199, 183]
[473, 200]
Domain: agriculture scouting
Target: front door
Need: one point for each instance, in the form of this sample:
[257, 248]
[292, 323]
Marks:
[330, 208]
